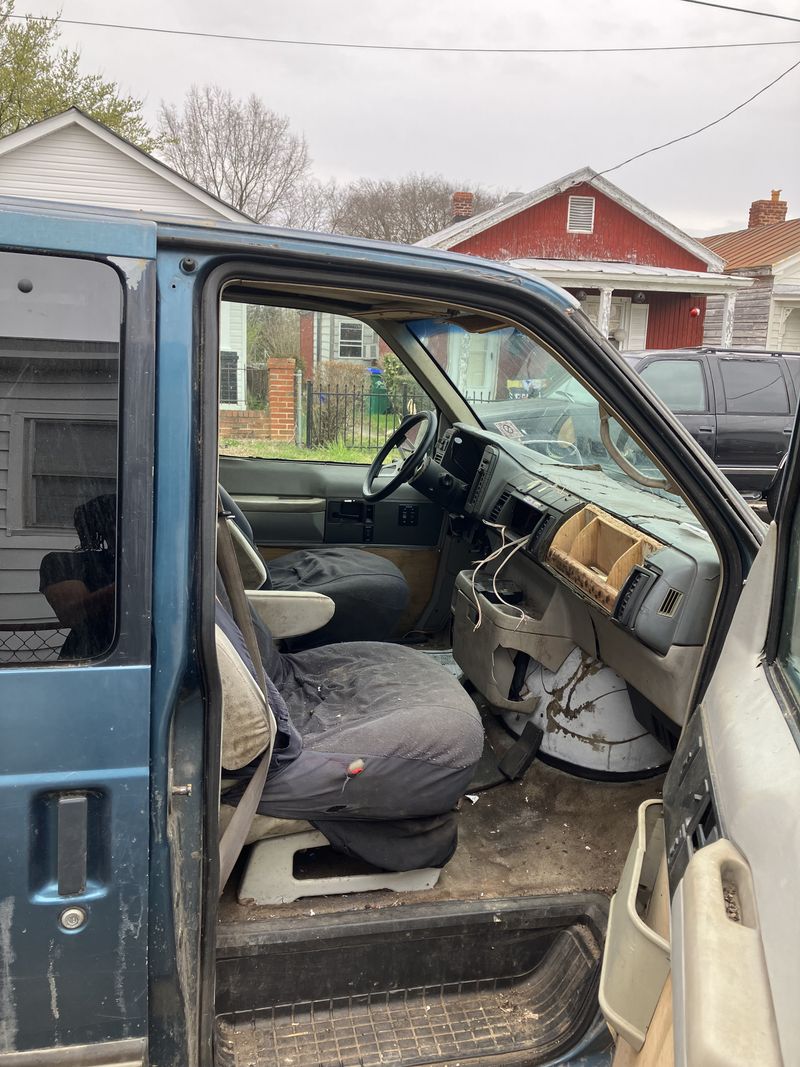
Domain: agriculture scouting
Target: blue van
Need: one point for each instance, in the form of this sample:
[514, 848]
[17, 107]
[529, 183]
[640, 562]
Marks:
[321, 752]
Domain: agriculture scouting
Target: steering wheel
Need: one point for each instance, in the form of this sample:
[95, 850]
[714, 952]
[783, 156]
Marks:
[426, 437]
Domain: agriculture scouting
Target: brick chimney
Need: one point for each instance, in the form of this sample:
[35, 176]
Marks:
[461, 205]
[764, 212]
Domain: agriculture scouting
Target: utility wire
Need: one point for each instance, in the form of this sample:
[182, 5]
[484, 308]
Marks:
[403, 47]
[743, 10]
[708, 125]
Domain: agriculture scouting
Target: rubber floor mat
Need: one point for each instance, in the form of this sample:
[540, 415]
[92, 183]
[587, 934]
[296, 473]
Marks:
[502, 1021]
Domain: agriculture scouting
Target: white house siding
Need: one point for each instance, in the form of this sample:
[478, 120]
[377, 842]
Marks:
[233, 338]
[74, 165]
[22, 552]
[784, 322]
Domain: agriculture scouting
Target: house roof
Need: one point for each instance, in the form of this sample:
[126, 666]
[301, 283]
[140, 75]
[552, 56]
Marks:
[760, 246]
[75, 117]
[594, 273]
[466, 228]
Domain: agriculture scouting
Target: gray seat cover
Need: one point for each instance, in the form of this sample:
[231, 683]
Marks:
[388, 737]
[370, 592]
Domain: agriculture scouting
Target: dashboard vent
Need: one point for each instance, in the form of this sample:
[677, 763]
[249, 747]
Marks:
[631, 595]
[499, 504]
[486, 467]
[669, 605]
[540, 533]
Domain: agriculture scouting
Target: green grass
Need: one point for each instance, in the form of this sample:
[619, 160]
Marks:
[337, 453]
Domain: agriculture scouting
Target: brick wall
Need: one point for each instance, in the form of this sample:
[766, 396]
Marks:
[281, 398]
[244, 425]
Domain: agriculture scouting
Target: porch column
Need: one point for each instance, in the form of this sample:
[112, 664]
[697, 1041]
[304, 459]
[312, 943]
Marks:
[604, 311]
[728, 309]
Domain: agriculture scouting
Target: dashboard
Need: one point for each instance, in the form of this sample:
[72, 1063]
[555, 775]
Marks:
[653, 578]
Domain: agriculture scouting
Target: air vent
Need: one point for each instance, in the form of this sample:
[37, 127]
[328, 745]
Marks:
[580, 214]
[499, 504]
[631, 595]
[486, 467]
[540, 533]
[669, 605]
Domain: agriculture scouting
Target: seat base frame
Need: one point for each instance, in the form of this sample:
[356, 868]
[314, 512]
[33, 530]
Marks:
[269, 875]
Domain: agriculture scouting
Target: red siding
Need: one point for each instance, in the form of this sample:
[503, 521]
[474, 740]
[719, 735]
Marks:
[669, 324]
[540, 232]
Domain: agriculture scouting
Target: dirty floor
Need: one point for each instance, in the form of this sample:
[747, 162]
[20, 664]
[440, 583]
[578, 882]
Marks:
[549, 833]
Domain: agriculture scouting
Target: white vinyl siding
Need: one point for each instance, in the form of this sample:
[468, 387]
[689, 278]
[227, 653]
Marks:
[71, 164]
[233, 338]
[580, 214]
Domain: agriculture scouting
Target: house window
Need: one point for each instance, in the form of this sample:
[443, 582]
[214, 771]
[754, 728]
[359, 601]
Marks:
[70, 462]
[351, 339]
[580, 214]
[229, 378]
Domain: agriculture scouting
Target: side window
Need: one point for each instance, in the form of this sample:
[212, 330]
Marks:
[754, 386]
[679, 383]
[308, 385]
[59, 398]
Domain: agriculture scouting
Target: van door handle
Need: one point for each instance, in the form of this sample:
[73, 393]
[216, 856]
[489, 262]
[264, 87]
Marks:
[705, 429]
[73, 813]
[788, 430]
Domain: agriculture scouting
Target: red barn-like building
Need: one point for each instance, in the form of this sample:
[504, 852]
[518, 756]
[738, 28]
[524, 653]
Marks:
[639, 278]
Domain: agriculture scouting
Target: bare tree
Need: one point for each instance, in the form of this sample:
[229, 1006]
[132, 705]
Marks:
[402, 209]
[272, 331]
[240, 150]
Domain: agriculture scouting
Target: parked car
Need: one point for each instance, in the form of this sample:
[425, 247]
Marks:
[738, 404]
[204, 833]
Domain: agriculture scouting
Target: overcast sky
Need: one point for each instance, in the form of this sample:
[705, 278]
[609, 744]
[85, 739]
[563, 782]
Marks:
[509, 122]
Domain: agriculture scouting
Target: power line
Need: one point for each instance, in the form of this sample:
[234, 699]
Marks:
[403, 47]
[708, 125]
[743, 10]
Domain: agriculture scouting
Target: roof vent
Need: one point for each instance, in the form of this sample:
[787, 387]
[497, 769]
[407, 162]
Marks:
[580, 214]
[669, 605]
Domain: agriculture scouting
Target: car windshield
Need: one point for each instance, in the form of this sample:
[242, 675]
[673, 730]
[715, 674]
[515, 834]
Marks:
[520, 391]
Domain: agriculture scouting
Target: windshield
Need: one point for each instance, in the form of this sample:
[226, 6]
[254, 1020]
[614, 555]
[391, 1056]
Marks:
[519, 390]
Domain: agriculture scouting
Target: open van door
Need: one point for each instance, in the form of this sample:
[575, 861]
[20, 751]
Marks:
[728, 849]
[76, 429]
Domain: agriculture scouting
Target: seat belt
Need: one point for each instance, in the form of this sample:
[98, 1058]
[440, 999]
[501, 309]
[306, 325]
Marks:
[233, 838]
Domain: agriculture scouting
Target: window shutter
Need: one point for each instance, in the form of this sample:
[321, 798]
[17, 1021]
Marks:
[580, 214]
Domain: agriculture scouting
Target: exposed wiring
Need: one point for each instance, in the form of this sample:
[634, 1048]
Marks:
[708, 125]
[743, 10]
[504, 544]
[517, 546]
[373, 47]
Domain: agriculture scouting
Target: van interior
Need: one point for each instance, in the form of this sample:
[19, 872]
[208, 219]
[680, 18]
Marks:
[485, 651]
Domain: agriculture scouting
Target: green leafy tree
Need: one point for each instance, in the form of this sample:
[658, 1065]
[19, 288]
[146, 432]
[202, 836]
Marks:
[39, 79]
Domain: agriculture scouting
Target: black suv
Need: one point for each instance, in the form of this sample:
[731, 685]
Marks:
[738, 404]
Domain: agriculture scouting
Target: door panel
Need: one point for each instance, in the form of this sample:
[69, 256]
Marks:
[744, 796]
[755, 420]
[321, 503]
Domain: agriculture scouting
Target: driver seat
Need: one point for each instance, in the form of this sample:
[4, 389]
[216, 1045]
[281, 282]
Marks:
[369, 592]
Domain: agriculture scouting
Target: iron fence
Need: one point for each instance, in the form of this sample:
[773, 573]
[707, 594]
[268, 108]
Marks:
[359, 418]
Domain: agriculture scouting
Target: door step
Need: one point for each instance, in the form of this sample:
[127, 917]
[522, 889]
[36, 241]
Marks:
[536, 1003]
